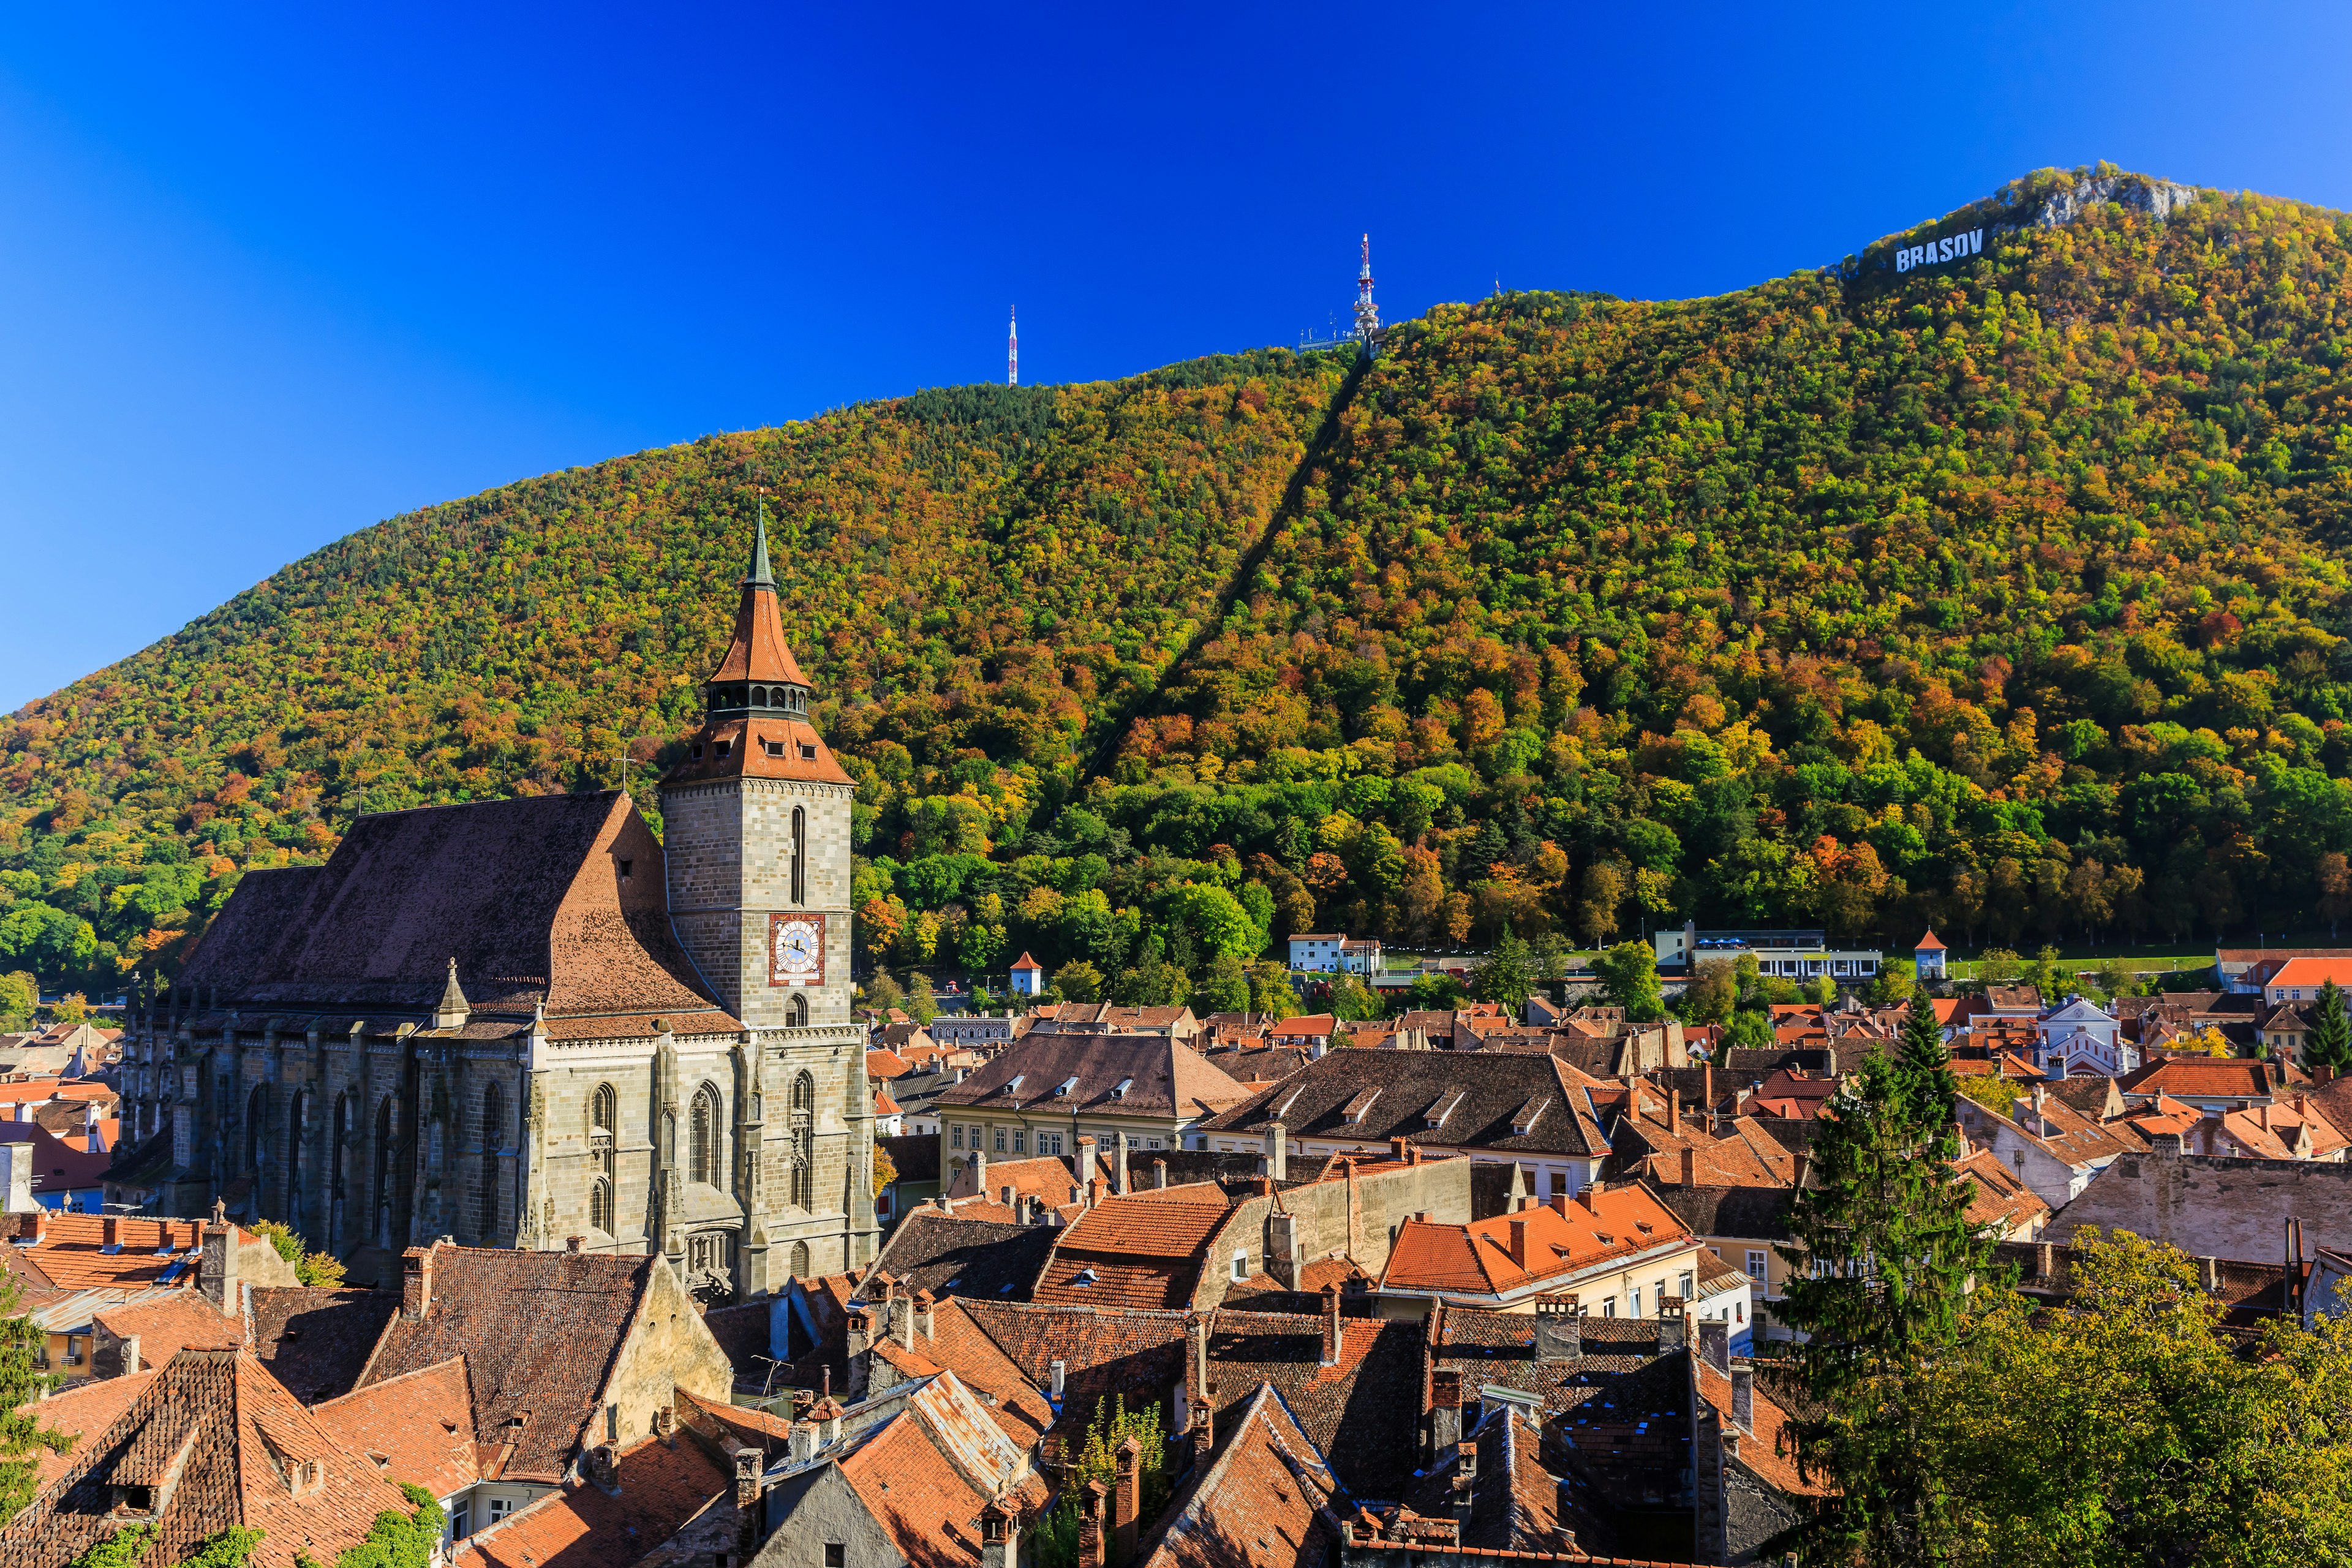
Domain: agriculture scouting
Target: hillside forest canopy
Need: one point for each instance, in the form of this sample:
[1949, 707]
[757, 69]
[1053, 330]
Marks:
[2007, 596]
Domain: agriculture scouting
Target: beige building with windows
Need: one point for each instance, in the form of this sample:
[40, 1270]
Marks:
[1045, 1091]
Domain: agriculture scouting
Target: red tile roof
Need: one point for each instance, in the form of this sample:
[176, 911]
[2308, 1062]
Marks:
[86, 1407]
[72, 1256]
[662, 1486]
[1266, 1496]
[419, 1427]
[1563, 1237]
[1131, 1252]
[244, 1450]
[2205, 1078]
[2311, 973]
[185, 1321]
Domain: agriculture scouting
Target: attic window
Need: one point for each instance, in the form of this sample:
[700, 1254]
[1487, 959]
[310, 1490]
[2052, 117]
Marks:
[1014, 1085]
[624, 870]
[774, 748]
[808, 753]
[1118, 1090]
[1064, 1087]
[698, 751]
[721, 748]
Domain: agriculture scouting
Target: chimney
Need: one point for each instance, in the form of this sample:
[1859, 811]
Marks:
[110, 1229]
[1159, 1174]
[1096, 1191]
[1672, 1325]
[1277, 1157]
[1445, 1413]
[1397, 1147]
[1282, 1248]
[902, 1326]
[922, 1314]
[1559, 1328]
[1126, 1502]
[415, 1281]
[801, 1444]
[1715, 1345]
[980, 1172]
[130, 1354]
[1058, 1375]
[17, 1161]
[1332, 1330]
[1518, 1230]
[859, 1349]
[1000, 1535]
[1006, 1195]
[747, 1479]
[1090, 1526]
[602, 1468]
[1706, 1088]
[1675, 1111]
[1465, 1481]
[575, 1242]
[1743, 1397]
[2209, 1270]
[2045, 1261]
[1690, 1166]
[1118, 1165]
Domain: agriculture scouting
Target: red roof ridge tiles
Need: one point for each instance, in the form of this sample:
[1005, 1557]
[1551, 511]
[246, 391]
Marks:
[663, 1484]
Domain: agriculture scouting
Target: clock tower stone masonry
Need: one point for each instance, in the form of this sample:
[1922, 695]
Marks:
[756, 830]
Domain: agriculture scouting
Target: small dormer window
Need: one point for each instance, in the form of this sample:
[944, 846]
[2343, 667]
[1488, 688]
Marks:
[624, 870]
[774, 748]
[721, 748]
[698, 751]
[808, 753]
[1064, 1087]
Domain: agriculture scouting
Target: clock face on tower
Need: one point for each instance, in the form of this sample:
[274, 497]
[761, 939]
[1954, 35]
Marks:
[795, 950]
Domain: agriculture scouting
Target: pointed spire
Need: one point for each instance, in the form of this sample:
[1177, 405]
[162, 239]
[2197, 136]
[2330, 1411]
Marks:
[759, 576]
[454, 1009]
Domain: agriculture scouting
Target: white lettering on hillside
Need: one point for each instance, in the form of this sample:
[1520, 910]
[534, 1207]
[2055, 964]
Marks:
[1951, 247]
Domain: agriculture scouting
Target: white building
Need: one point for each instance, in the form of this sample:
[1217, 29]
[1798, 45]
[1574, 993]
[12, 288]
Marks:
[1330, 952]
[1786, 955]
[2082, 1038]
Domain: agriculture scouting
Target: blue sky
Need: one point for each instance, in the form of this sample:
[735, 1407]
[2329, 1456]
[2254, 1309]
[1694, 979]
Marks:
[272, 275]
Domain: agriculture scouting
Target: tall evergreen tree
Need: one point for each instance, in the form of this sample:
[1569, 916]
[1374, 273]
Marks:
[2330, 1043]
[1884, 1258]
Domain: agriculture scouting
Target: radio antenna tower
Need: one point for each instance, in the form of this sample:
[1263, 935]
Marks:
[1012, 350]
[1368, 315]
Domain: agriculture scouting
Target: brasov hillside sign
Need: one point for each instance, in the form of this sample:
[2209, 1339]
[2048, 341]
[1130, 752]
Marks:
[1951, 247]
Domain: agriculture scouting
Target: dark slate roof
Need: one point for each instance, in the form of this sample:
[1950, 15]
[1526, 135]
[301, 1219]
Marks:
[915, 1155]
[1163, 1077]
[1105, 1356]
[976, 1258]
[1493, 1085]
[527, 895]
[315, 1342]
[539, 1331]
[1749, 1213]
[1364, 1412]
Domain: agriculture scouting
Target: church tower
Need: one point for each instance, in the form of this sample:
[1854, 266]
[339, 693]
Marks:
[756, 832]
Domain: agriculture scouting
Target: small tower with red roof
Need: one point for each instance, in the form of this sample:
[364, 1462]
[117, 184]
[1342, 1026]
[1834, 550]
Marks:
[1028, 976]
[1929, 957]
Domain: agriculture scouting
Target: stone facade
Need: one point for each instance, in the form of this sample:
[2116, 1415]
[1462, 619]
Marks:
[609, 1057]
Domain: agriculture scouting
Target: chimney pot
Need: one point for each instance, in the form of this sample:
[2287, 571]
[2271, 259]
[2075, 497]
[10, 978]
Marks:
[1127, 1503]
[1690, 1166]
[1331, 1325]
[416, 1284]
[1743, 1397]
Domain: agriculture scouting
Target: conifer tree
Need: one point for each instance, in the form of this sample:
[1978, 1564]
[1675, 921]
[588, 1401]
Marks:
[1884, 1259]
[2330, 1043]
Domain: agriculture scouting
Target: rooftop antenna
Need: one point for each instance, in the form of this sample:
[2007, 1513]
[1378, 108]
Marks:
[1368, 315]
[1012, 350]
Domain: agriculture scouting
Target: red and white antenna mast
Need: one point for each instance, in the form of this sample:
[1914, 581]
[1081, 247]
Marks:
[1013, 351]
[1368, 315]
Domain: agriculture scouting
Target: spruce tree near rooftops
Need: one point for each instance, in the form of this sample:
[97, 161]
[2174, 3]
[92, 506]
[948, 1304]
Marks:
[1882, 1261]
[2329, 1043]
[1929, 1085]
[1504, 978]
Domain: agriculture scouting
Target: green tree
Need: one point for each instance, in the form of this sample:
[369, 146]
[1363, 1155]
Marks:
[1216, 921]
[2329, 1042]
[1998, 967]
[921, 1006]
[123, 1548]
[1628, 973]
[1153, 982]
[1713, 991]
[1351, 999]
[1506, 976]
[1057, 1532]
[22, 1438]
[1894, 983]
[1604, 895]
[46, 940]
[1271, 990]
[1078, 981]
[2151, 1435]
[1881, 1262]
[1224, 989]
[1548, 956]
[1433, 991]
[1750, 1030]
[882, 991]
[322, 1269]
[19, 997]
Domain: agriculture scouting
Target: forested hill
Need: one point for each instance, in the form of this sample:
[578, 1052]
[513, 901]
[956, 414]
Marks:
[2007, 594]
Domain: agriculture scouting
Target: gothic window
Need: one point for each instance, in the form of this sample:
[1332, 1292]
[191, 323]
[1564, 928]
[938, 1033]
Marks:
[342, 1131]
[804, 1129]
[702, 1159]
[799, 1260]
[257, 1126]
[800, 856]
[494, 1116]
[295, 1117]
[600, 1206]
[604, 1108]
[384, 1158]
[796, 1013]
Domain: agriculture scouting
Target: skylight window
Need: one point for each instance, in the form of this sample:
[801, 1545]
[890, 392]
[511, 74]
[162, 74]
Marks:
[1118, 1090]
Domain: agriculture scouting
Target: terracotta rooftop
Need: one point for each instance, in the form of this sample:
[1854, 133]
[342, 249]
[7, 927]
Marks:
[1561, 1238]
[530, 897]
[2202, 1078]
[580, 1525]
[1266, 1496]
[926, 1474]
[72, 1254]
[88, 1406]
[316, 1342]
[1361, 1412]
[1132, 1251]
[222, 1445]
[418, 1428]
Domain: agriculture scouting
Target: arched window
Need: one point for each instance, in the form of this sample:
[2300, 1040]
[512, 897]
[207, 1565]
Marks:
[600, 1206]
[382, 1211]
[803, 1128]
[603, 1110]
[494, 1120]
[800, 856]
[799, 1260]
[702, 1158]
[335, 1151]
[796, 1013]
[759, 697]
[296, 1115]
[257, 1126]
